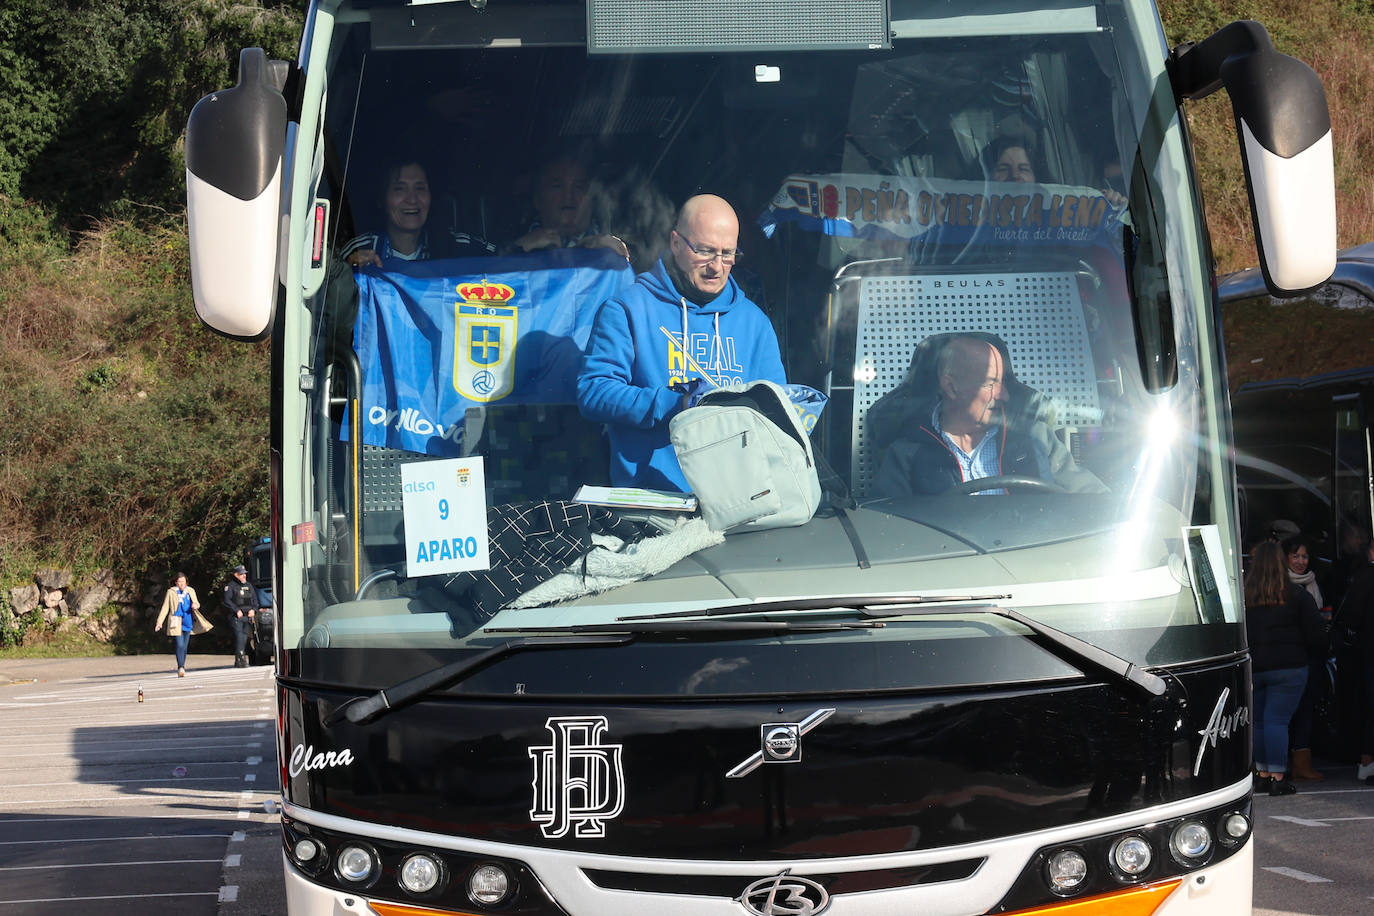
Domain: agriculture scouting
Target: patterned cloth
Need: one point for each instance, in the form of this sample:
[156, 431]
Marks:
[532, 542]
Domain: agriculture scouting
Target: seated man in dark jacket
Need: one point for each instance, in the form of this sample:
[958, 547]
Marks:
[964, 433]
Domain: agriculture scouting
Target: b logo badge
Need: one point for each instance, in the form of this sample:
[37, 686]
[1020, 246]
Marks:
[784, 895]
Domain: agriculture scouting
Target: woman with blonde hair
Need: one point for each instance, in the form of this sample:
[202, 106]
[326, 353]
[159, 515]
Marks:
[1282, 626]
[181, 610]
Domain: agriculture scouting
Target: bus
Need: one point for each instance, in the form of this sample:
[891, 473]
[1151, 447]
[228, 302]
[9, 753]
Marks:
[508, 683]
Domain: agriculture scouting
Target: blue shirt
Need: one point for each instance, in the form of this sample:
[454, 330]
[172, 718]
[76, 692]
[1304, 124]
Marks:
[986, 458]
[188, 620]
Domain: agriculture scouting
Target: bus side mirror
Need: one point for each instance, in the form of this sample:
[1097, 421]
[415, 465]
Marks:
[1284, 130]
[235, 143]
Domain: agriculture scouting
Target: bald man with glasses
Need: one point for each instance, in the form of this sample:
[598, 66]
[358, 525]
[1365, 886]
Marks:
[684, 325]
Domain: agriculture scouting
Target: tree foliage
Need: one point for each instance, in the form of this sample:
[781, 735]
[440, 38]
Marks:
[130, 438]
[94, 94]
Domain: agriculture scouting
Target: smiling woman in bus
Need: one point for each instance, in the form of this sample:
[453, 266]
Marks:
[405, 199]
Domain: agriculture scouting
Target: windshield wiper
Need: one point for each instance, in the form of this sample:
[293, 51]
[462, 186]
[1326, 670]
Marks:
[1078, 652]
[363, 710]
[846, 603]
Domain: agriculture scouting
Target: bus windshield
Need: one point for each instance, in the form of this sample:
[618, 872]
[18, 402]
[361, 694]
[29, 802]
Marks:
[971, 251]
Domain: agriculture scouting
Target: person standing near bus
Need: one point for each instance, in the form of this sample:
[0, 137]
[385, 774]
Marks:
[241, 602]
[1283, 627]
[1354, 624]
[683, 326]
[181, 611]
[1297, 555]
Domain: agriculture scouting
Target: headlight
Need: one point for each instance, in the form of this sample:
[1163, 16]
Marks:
[421, 873]
[1234, 828]
[305, 851]
[1066, 870]
[356, 864]
[1132, 855]
[1191, 842]
[488, 885]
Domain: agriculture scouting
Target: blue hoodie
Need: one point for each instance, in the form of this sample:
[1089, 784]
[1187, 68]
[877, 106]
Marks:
[635, 353]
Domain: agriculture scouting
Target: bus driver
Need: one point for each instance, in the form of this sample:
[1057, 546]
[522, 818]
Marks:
[967, 436]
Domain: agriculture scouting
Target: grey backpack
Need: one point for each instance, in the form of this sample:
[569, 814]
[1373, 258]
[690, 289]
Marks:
[749, 462]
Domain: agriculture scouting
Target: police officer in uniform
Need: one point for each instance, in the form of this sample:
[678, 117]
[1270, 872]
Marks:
[241, 602]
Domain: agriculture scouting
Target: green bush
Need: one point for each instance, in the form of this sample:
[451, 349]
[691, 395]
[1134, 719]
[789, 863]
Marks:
[94, 94]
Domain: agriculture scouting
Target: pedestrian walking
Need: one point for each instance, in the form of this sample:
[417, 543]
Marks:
[240, 601]
[181, 611]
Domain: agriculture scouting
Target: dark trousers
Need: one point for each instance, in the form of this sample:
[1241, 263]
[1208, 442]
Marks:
[242, 627]
[1300, 729]
[183, 642]
[1367, 706]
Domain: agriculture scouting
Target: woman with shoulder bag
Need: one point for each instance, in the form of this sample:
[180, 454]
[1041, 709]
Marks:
[1283, 627]
[181, 610]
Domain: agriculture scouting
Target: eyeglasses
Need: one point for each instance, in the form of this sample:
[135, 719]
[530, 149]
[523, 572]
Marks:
[705, 254]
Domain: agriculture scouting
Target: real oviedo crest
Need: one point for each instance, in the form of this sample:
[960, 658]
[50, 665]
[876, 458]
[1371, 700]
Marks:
[484, 341]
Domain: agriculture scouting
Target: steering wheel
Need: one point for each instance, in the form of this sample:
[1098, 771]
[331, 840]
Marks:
[1006, 482]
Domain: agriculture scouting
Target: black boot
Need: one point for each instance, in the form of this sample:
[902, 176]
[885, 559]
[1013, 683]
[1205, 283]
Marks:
[1283, 786]
[240, 661]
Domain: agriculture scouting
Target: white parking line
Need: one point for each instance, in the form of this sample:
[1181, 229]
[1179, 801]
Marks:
[112, 897]
[201, 796]
[89, 758]
[125, 782]
[1300, 821]
[158, 725]
[108, 839]
[105, 864]
[105, 818]
[1298, 875]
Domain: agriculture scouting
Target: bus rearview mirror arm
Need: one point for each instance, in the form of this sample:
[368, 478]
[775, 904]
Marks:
[1283, 127]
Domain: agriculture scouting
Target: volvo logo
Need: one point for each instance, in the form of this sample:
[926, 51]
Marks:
[784, 895]
[780, 743]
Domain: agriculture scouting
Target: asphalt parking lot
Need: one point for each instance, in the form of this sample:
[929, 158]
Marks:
[114, 806]
[1312, 849]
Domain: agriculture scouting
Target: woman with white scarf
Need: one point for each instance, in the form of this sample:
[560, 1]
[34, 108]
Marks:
[1297, 551]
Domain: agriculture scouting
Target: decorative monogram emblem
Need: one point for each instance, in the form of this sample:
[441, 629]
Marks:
[578, 781]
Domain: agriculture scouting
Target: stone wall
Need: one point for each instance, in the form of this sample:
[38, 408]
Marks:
[67, 602]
